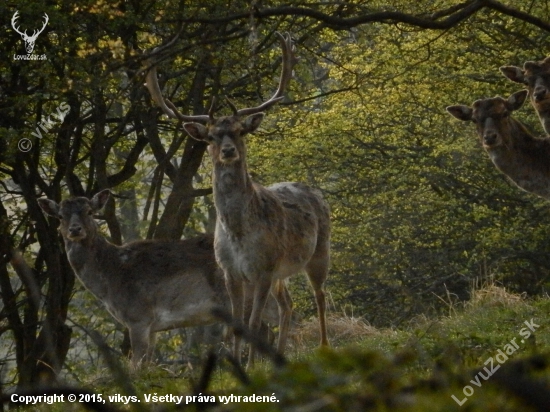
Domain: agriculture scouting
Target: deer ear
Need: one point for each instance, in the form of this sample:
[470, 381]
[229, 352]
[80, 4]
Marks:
[461, 112]
[99, 200]
[252, 122]
[514, 73]
[196, 130]
[49, 207]
[531, 66]
[515, 101]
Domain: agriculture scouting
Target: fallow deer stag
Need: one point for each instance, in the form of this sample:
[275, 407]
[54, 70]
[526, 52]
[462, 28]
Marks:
[525, 159]
[536, 76]
[147, 285]
[262, 234]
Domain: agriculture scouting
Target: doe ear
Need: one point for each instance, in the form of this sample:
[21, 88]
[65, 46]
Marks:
[196, 130]
[516, 74]
[461, 112]
[99, 200]
[252, 122]
[49, 207]
[531, 66]
[515, 101]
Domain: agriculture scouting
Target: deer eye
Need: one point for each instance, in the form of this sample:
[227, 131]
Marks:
[90, 212]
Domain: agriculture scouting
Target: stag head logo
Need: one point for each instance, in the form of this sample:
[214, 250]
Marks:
[29, 40]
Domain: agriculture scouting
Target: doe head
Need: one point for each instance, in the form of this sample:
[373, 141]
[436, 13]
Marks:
[535, 75]
[491, 117]
[76, 214]
[225, 136]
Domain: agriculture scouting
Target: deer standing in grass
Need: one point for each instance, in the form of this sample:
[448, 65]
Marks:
[536, 76]
[525, 159]
[147, 285]
[263, 234]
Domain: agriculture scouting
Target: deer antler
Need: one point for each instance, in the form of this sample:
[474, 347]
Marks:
[166, 105]
[289, 60]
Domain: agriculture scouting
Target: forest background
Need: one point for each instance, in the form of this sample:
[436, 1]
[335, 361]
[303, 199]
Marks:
[418, 210]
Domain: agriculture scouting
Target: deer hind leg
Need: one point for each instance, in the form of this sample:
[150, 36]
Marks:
[151, 348]
[280, 292]
[261, 292]
[235, 289]
[140, 341]
[317, 271]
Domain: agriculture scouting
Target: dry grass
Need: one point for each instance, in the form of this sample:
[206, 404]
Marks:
[494, 295]
[341, 328]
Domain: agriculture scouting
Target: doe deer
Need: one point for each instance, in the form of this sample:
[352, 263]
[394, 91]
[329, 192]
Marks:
[263, 234]
[525, 159]
[147, 285]
[536, 76]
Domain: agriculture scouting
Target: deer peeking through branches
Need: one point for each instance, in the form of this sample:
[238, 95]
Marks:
[263, 234]
[513, 150]
[536, 76]
[147, 285]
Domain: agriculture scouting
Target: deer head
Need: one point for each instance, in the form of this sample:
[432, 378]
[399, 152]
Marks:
[29, 40]
[225, 133]
[536, 76]
[492, 118]
[77, 222]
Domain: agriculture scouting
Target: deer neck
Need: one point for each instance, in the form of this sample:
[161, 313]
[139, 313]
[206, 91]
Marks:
[505, 155]
[233, 193]
[543, 111]
[524, 159]
[90, 258]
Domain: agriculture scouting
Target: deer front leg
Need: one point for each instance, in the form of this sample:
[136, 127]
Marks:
[261, 292]
[236, 297]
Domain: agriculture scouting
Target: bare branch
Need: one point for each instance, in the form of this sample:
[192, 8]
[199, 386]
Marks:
[455, 16]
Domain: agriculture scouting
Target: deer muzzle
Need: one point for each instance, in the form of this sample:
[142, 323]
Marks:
[75, 230]
[490, 133]
[228, 150]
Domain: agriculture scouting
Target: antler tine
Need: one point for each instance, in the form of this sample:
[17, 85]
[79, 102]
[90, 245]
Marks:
[166, 105]
[289, 60]
[212, 109]
[232, 106]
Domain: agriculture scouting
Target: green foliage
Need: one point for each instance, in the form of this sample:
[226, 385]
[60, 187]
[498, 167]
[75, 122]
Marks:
[416, 368]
